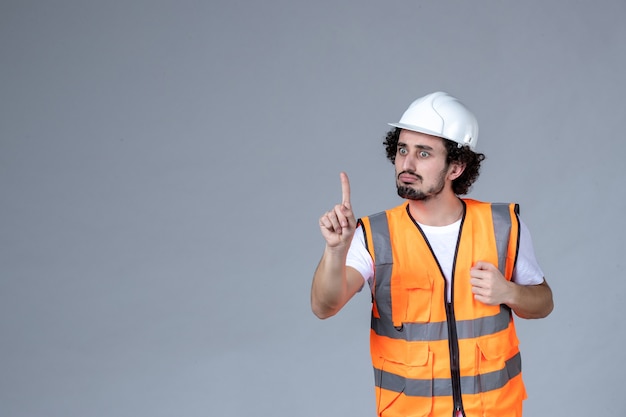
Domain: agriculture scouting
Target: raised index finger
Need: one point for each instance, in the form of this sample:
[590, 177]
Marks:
[345, 190]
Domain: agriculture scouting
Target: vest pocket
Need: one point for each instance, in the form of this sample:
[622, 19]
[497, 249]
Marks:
[491, 354]
[501, 392]
[419, 297]
[405, 385]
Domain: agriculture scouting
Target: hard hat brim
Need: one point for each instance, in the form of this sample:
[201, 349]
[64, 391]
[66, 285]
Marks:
[418, 129]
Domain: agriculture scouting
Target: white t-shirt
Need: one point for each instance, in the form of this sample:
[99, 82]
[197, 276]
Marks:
[443, 240]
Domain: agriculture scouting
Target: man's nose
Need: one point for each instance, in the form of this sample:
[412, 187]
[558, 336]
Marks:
[409, 163]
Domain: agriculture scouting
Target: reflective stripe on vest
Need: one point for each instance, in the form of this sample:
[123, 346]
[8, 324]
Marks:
[423, 332]
[502, 228]
[443, 386]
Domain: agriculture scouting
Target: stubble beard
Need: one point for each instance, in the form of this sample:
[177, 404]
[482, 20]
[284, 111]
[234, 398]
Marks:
[410, 193]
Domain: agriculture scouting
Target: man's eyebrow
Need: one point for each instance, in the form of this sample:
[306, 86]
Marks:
[418, 146]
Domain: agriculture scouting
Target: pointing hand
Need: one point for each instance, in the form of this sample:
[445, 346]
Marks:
[338, 224]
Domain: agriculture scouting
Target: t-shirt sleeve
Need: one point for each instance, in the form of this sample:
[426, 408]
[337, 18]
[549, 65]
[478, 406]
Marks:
[527, 270]
[358, 256]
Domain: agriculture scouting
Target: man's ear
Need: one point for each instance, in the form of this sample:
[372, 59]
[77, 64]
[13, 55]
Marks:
[455, 170]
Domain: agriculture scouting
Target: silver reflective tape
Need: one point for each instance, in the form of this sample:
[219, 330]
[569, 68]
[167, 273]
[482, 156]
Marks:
[502, 228]
[380, 238]
[423, 332]
[441, 387]
[384, 262]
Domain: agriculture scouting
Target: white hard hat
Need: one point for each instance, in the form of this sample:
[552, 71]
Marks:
[440, 114]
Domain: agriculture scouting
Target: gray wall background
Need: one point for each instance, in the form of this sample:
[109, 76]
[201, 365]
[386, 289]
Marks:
[163, 166]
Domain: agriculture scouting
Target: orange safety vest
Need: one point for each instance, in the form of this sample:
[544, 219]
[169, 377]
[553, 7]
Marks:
[432, 357]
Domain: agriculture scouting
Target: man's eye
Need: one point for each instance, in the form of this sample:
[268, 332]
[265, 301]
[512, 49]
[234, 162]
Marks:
[424, 154]
[402, 151]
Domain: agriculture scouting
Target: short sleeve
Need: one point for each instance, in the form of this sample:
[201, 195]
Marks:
[527, 270]
[358, 256]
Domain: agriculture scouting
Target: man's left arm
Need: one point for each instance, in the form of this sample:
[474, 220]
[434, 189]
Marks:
[527, 301]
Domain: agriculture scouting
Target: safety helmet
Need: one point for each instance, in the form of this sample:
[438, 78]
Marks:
[440, 114]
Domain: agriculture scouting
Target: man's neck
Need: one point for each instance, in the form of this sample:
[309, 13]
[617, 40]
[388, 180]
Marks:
[440, 210]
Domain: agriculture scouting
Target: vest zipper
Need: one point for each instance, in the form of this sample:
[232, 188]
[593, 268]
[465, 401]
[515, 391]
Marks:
[455, 373]
[453, 340]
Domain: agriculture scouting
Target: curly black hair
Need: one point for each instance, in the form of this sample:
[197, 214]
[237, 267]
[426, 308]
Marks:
[463, 155]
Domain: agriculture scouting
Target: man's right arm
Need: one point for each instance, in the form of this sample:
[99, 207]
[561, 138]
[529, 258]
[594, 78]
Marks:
[334, 283]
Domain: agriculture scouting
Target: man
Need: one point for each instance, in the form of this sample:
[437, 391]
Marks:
[445, 274]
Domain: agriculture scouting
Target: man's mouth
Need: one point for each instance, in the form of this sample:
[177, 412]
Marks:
[408, 177]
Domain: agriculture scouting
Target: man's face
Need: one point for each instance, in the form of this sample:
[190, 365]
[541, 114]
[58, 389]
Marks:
[421, 168]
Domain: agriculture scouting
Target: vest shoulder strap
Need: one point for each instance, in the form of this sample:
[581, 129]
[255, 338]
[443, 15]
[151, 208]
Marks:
[506, 227]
